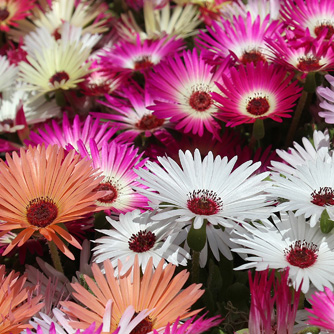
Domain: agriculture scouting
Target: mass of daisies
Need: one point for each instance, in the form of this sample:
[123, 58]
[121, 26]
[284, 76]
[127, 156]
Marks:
[166, 166]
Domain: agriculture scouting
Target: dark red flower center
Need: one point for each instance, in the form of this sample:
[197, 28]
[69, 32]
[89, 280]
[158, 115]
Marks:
[143, 63]
[142, 241]
[8, 121]
[309, 64]
[149, 122]
[204, 202]
[200, 100]
[41, 211]
[145, 326]
[56, 34]
[324, 196]
[59, 77]
[107, 186]
[329, 27]
[4, 13]
[301, 254]
[252, 56]
[258, 106]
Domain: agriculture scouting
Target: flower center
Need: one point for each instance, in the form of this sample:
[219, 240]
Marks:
[4, 13]
[142, 241]
[324, 196]
[326, 24]
[308, 63]
[204, 202]
[41, 211]
[301, 254]
[258, 106]
[149, 122]
[145, 326]
[107, 186]
[200, 100]
[252, 56]
[59, 77]
[143, 63]
[56, 34]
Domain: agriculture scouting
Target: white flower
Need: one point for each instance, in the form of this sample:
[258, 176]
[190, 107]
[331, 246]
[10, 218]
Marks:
[8, 73]
[136, 234]
[299, 155]
[292, 243]
[309, 191]
[208, 189]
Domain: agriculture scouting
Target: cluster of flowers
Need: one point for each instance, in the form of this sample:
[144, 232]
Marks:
[172, 135]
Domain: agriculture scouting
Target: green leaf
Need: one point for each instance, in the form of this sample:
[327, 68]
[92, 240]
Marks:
[326, 225]
[196, 238]
[310, 330]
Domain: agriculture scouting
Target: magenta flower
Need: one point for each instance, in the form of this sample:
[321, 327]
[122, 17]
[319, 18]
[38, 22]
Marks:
[322, 312]
[181, 87]
[252, 93]
[68, 134]
[141, 56]
[116, 163]
[243, 38]
[262, 317]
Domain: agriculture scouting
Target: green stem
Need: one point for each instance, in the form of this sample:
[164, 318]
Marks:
[55, 257]
[295, 119]
[195, 267]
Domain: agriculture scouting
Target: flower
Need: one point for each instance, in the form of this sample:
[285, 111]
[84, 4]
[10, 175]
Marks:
[322, 311]
[16, 304]
[69, 134]
[139, 56]
[8, 72]
[12, 11]
[264, 317]
[327, 100]
[309, 191]
[207, 189]
[256, 92]
[42, 188]
[313, 15]
[117, 164]
[135, 234]
[61, 66]
[184, 95]
[244, 39]
[156, 291]
[292, 243]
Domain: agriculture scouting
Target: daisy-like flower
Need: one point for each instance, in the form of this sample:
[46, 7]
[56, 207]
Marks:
[156, 290]
[180, 21]
[244, 39]
[134, 115]
[184, 95]
[292, 243]
[117, 165]
[42, 189]
[8, 73]
[299, 155]
[16, 304]
[322, 311]
[309, 191]
[206, 190]
[303, 55]
[55, 329]
[141, 55]
[12, 11]
[70, 133]
[272, 313]
[313, 15]
[327, 100]
[60, 67]
[252, 93]
[136, 234]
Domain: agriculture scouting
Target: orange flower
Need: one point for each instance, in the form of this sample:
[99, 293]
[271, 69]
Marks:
[16, 305]
[156, 291]
[42, 188]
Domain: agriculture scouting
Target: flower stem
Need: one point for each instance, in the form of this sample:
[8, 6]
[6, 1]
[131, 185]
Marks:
[296, 118]
[55, 257]
[195, 267]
